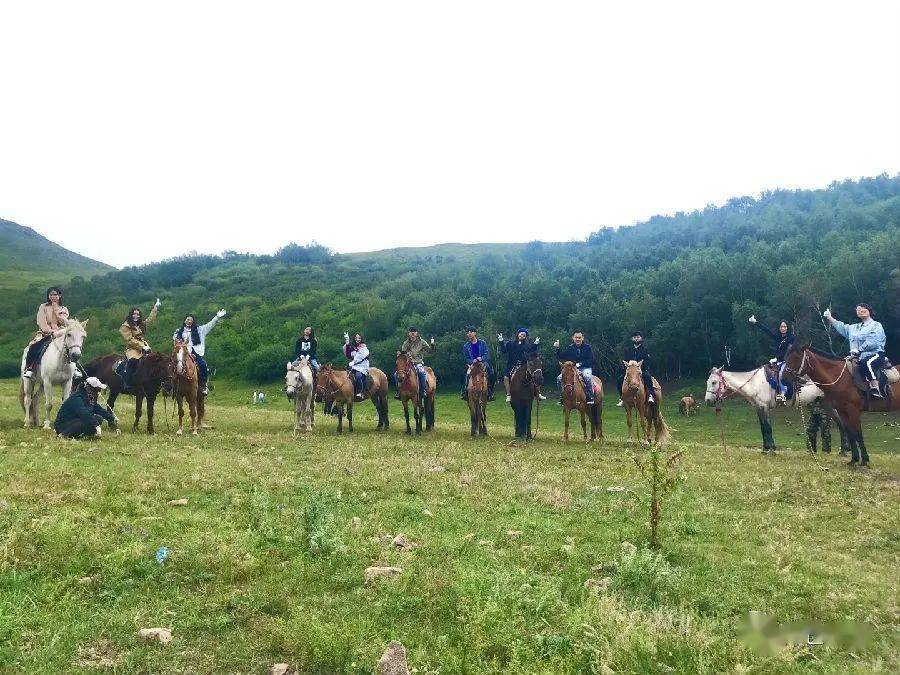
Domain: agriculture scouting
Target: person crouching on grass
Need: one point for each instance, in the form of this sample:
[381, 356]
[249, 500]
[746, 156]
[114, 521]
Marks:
[80, 416]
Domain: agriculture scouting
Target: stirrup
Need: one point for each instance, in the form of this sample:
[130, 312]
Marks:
[508, 398]
[28, 373]
[650, 399]
[542, 397]
[620, 403]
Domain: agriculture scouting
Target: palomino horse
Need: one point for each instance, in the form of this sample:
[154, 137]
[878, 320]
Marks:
[298, 385]
[185, 385]
[336, 387]
[477, 396]
[754, 387]
[687, 406]
[635, 397]
[408, 388]
[56, 367]
[834, 376]
[152, 374]
[573, 397]
[524, 380]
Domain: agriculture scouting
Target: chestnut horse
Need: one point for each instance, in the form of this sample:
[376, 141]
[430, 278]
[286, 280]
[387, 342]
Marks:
[573, 398]
[477, 395]
[408, 388]
[152, 374]
[185, 386]
[635, 397]
[524, 380]
[335, 386]
[834, 376]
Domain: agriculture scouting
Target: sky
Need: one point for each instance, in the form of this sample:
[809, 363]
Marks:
[132, 132]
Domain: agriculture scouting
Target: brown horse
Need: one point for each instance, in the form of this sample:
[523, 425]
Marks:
[573, 398]
[477, 395]
[635, 398]
[524, 381]
[186, 385]
[335, 387]
[834, 376]
[687, 406]
[408, 388]
[153, 373]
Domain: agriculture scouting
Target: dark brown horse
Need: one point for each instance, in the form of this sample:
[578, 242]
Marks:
[477, 395]
[185, 386]
[834, 376]
[408, 388]
[335, 388]
[573, 398]
[152, 374]
[524, 381]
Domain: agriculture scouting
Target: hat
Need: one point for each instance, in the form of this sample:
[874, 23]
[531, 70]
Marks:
[95, 383]
[412, 329]
[637, 333]
[471, 329]
[522, 330]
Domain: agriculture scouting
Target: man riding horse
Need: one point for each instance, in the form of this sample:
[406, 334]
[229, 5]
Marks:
[783, 340]
[476, 349]
[638, 352]
[133, 332]
[51, 317]
[195, 336]
[416, 348]
[518, 352]
[867, 342]
[581, 354]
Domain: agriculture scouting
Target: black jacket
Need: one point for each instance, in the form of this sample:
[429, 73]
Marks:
[582, 355]
[517, 352]
[640, 353]
[782, 342]
[305, 347]
[77, 406]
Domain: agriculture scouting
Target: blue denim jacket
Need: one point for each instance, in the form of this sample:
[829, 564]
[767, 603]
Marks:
[867, 338]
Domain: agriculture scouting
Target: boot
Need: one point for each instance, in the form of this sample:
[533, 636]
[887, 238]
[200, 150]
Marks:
[620, 403]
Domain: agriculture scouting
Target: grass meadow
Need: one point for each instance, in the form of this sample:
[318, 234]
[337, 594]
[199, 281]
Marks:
[267, 558]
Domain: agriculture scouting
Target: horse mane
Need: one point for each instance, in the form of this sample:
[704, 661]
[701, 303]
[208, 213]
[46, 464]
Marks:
[824, 354]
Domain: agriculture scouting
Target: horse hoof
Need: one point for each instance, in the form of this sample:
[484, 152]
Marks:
[194, 433]
[179, 432]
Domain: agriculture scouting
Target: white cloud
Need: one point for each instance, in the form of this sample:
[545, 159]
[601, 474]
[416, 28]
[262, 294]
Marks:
[369, 125]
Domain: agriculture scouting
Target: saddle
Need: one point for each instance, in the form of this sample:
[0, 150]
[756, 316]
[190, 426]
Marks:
[887, 375]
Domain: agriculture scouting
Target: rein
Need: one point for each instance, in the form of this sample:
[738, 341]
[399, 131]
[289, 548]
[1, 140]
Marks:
[803, 363]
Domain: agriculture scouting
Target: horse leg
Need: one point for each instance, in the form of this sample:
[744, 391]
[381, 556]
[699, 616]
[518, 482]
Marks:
[138, 404]
[27, 394]
[858, 454]
[48, 402]
[192, 403]
[528, 405]
[583, 426]
[406, 416]
[179, 400]
[628, 420]
[151, 401]
[762, 415]
[340, 416]
[473, 416]
[350, 418]
[419, 413]
[566, 412]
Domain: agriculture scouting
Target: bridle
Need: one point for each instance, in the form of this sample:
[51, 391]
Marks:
[805, 361]
[329, 377]
[723, 390]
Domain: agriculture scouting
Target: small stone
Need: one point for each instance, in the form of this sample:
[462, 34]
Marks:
[465, 480]
[86, 581]
[355, 522]
[437, 468]
[161, 635]
[3, 505]
[513, 533]
[567, 548]
[613, 489]
[178, 502]
[598, 586]
[485, 542]
[377, 572]
[470, 536]
[570, 541]
[427, 513]
[403, 543]
[628, 549]
[280, 669]
[393, 661]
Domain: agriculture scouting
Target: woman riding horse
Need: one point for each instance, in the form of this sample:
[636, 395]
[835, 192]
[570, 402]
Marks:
[867, 341]
[51, 317]
[783, 339]
[358, 355]
[195, 336]
[133, 332]
[307, 345]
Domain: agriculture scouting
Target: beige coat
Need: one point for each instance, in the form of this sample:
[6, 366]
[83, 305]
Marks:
[134, 337]
[49, 319]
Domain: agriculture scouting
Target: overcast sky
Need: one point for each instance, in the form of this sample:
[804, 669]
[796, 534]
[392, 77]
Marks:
[131, 132]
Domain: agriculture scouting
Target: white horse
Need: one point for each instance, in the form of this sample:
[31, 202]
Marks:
[56, 367]
[298, 385]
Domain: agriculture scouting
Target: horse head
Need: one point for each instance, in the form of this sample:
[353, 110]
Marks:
[535, 369]
[73, 338]
[325, 382]
[715, 386]
[291, 380]
[180, 352]
[633, 375]
[567, 371]
[403, 366]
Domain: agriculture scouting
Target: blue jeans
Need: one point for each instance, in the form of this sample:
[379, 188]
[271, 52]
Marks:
[359, 382]
[870, 364]
[587, 374]
[423, 386]
[202, 368]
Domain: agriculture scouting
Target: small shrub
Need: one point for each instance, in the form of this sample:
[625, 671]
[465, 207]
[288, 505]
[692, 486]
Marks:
[648, 574]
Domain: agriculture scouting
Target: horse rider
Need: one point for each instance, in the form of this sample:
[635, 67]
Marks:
[416, 348]
[581, 354]
[783, 340]
[196, 336]
[819, 421]
[80, 416]
[51, 317]
[358, 356]
[517, 352]
[476, 349]
[638, 352]
[867, 341]
[133, 332]
[307, 345]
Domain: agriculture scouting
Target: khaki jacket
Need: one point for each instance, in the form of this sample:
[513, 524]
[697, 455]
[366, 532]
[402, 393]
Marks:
[49, 320]
[134, 338]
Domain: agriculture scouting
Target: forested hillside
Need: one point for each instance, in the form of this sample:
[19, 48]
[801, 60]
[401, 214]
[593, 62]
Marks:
[688, 281]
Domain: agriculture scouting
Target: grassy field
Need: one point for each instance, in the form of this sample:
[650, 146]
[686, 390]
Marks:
[267, 564]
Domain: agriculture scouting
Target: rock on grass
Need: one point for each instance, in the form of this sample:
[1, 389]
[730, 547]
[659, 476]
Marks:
[178, 502]
[161, 635]
[378, 572]
[281, 669]
[393, 661]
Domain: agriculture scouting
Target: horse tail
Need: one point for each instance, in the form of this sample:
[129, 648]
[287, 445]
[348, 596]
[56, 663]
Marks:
[429, 411]
[22, 393]
[665, 432]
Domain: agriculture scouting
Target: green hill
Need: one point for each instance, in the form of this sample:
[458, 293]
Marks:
[27, 258]
[689, 281]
